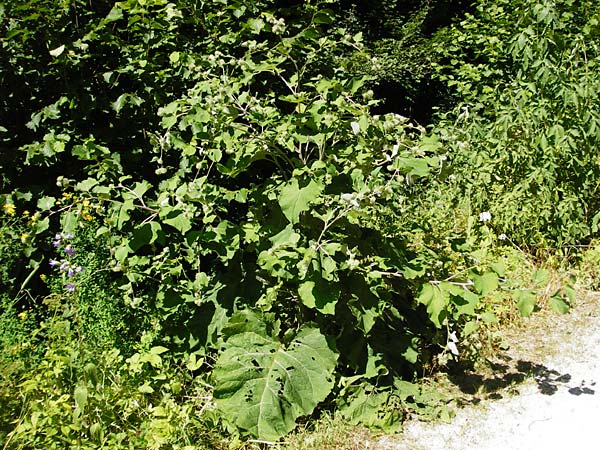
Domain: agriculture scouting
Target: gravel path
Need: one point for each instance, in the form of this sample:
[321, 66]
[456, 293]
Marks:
[557, 408]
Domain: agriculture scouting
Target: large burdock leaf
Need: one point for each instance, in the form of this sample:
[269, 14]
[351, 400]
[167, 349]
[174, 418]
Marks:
[263, 386]
[295, 200]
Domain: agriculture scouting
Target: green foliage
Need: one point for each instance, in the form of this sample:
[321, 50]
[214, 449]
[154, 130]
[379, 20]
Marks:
[76, 398]
[226, 200]
[263, 385]
[523, 141]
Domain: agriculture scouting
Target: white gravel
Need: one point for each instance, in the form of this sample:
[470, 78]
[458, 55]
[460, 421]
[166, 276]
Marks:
[559, 409]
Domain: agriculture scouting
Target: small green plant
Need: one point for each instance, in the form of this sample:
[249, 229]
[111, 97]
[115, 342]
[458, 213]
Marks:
[78, 397]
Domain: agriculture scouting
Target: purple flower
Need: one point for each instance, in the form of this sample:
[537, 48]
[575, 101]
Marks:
[70, 272]
[70, 287]
[56, 243]
[68, 236]
[64, 266]
[69, 250]
[79, 269]
[54, 263]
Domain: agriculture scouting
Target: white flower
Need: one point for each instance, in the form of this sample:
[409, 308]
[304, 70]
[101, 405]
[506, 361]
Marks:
[485, 216]
[503, 237]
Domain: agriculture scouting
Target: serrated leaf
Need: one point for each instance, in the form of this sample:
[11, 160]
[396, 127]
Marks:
[295, 200]
[263, 386]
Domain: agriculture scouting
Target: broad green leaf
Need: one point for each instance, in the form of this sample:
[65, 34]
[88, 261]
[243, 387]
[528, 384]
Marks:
[263, 386]
[489, 317]
[41, 225]
[374, 410]
[436, 301]
[145, 388]
[46, 203]
[319, 295]
[178, 219]
[256, 25]
[486, 283]
[465, 302]
[541, 276]
[86, 185]
[158, 350]
[285, 238]
[413, 166]
[81, 396]
[557, 303]
[114, 14]
[499, 268]
[469, 328]
[146, 234]
[526, 301]
[69, 221]
[137, 191]
[295, 200]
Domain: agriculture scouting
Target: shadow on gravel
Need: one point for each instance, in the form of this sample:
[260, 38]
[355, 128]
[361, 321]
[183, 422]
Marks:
[504, 379]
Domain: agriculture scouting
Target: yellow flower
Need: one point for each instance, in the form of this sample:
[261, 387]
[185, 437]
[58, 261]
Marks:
[86, 203]
[22, 315]
[43, 277]
[10, 209]
[87, 216]
[25, 213]
[24, 237]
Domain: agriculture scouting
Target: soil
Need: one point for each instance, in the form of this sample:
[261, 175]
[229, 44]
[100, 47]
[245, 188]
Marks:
[542, 393]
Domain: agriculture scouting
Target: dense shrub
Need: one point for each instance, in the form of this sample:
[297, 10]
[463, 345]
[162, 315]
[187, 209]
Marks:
[218, 184]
